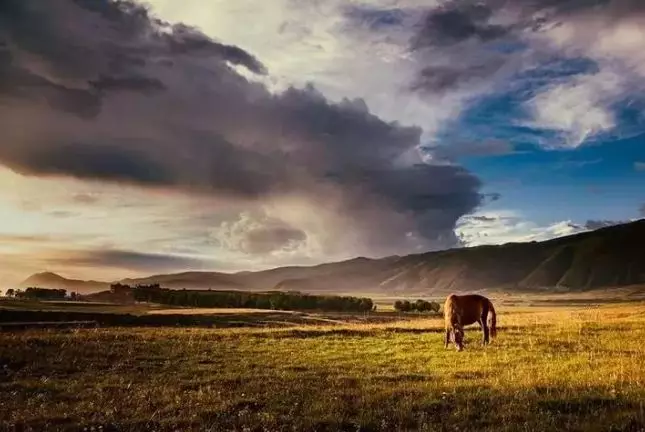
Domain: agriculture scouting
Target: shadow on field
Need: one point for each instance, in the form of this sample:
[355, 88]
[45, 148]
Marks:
[461, 408]
[305, 333]
[26, 319]
[585, 405]
[313, 333]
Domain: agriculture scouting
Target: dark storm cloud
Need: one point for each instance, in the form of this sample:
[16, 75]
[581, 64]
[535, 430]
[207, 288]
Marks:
[186, 40]
[131, 83]
[126, 260]
[465, 43]
[458, 22]
[460, 44]
[92, 161]
[103, 90]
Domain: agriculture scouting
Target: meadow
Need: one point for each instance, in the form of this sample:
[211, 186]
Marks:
[561, 366]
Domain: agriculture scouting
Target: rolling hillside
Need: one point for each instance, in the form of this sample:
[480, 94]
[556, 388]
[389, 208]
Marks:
[608, 257]
[54, 281]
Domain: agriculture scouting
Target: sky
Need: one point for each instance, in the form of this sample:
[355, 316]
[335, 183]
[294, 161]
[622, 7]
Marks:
[161, 136]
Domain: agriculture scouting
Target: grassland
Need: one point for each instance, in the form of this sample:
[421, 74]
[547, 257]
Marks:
[569, 367]
[76, 306]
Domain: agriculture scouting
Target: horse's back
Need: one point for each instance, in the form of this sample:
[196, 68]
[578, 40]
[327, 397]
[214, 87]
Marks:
[472, 298]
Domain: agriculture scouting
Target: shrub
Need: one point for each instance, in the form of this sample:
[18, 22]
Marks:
[418, 306]
[403, 306]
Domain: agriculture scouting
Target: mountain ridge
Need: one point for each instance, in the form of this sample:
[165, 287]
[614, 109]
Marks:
[607, 257]
[56, 281]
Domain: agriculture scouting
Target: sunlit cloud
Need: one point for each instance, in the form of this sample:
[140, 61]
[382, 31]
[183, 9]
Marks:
[173, 138]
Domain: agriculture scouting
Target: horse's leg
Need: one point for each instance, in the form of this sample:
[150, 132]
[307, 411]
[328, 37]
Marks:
[484, 327]
[447, 341]
[483, 322]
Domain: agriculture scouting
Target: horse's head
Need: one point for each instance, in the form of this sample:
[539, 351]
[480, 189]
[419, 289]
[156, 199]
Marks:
[459, 337]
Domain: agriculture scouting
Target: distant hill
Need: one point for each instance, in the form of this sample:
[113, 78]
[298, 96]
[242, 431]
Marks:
[54, 281]
[608, 257]
[191, 280]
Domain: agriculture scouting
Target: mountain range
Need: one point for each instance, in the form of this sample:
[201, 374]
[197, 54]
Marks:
[608, 257]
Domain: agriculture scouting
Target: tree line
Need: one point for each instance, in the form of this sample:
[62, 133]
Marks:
[276, 300]
[36, 293]
[416, 306]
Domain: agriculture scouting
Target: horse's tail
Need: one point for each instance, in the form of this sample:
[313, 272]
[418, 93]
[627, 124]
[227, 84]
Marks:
[493, 319]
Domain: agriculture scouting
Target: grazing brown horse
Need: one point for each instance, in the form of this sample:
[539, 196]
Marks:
[462, 310]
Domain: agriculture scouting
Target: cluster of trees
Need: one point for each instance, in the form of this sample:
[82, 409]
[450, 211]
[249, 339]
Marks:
[276, 300]
[416, 306]
[123, 289]
[36, 293]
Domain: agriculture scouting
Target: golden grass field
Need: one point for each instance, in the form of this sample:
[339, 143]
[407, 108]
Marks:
[565, 367]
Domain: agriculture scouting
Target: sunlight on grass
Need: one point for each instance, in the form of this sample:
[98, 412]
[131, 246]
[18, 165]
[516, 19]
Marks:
[568, 368]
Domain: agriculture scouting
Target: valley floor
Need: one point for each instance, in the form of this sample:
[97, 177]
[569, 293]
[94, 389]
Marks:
[574, 367]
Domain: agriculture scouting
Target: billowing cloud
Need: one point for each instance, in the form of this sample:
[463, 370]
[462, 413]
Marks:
[105, 91]
[259, 235]
[470, 50]
[576, 108]
[506, 226]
